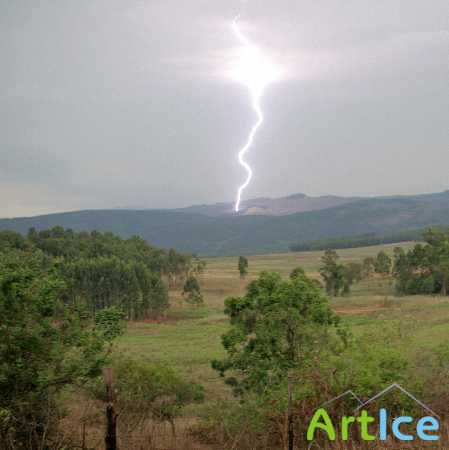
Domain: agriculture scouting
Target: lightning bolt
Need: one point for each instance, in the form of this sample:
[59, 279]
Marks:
[256, 94]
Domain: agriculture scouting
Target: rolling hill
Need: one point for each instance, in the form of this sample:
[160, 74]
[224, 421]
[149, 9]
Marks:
[266, 206]
[252, 234]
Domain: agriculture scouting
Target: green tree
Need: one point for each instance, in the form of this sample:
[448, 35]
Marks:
[156, 297]
[10, 240]
[436, 257]
[243, 266]
[177, 267]
[382, 264]
[402, 269]
[45, 347]
[425, 268]
[103, 282]
[351, 275]
[297, 272]
[333, 273]
[275, 328]
[192, 291]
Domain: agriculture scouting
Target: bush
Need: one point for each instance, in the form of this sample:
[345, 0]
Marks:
[149, 391]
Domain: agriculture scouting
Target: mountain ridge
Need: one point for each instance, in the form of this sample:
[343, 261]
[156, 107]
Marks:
[252, 234]
[277, 206]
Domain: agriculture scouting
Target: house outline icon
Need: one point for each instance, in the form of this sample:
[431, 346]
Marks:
[389, 388]
[341, 396]
[380, 394]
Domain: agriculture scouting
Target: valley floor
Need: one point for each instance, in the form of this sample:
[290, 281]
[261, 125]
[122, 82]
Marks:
[189, 338]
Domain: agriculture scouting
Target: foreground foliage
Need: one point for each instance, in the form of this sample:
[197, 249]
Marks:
[64, 297]
[45, 347]
[147, 391]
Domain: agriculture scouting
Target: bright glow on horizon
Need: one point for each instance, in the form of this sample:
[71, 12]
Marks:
[255, 71]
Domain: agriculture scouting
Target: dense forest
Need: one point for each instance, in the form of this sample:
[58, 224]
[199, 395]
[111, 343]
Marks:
[100, 270]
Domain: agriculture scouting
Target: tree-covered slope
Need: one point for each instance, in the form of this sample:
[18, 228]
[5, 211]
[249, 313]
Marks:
[252, 234]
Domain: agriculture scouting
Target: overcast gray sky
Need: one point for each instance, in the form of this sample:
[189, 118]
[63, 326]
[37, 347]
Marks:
[114, 103]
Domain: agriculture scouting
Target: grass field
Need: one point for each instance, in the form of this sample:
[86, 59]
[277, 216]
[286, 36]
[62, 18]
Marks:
[189, 338]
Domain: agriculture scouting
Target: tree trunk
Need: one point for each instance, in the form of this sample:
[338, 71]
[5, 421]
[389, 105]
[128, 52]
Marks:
[111, 428]
[290, 431]
[111, 416]
[444, 286]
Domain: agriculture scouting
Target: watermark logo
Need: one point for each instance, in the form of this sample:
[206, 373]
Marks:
[427, 427]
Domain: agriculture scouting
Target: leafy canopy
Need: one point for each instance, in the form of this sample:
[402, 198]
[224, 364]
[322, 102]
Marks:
[275, 327]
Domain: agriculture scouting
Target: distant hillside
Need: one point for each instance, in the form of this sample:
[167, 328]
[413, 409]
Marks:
[272, 206]
[364, 240]
[247, 234]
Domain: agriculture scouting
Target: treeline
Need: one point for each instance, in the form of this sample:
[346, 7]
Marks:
[339, 277]
[100, 270]
[425, 268]
[364, 240]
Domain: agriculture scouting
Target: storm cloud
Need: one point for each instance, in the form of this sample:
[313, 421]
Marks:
[114, 103]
